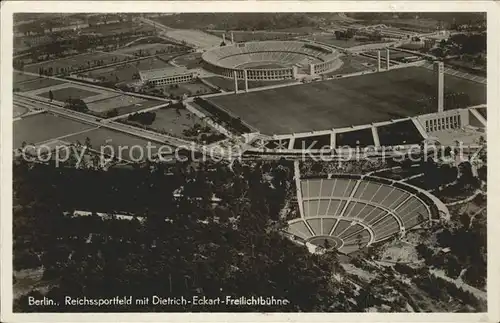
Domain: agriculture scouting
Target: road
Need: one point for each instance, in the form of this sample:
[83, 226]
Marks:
[124, 128]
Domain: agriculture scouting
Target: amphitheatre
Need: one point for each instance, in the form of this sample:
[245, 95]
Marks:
[350, 212]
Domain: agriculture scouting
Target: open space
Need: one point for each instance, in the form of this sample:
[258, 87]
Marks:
[42, 127]
[345, 102]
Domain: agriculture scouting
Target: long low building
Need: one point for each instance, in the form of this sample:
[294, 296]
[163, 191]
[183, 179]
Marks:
[169, 75]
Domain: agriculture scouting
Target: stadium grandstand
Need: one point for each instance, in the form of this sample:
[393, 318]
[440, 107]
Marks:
[271, 60]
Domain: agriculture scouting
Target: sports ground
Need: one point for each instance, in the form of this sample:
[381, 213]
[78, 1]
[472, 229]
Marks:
[347, 101]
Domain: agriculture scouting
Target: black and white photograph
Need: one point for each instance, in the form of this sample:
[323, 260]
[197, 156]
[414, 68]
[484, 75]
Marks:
[323, 161]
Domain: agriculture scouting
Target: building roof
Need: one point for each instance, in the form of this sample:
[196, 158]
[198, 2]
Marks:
[163, 72]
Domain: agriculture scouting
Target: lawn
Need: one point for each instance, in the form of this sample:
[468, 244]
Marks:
[132, 147]
[62, 95]
[345, 102]
[42, 127]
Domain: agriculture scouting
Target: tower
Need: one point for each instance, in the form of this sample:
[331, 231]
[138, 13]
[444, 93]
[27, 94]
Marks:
[439, 70]
[387, 58]
[378, 61]
[246, 80]
[235, 74]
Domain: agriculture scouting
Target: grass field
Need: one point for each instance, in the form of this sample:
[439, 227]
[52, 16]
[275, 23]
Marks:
[42, 127]
[345, 102]
[228, 84]
[131, 146]
[35, 84]
[62, 95]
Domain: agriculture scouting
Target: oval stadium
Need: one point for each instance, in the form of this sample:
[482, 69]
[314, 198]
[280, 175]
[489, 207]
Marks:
[271, 60]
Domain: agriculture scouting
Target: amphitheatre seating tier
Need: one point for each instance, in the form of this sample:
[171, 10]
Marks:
[356, 210]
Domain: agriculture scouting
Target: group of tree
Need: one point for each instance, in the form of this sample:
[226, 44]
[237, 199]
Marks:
[186, 246]
[76, 105]
[344, 34]
[144, 118]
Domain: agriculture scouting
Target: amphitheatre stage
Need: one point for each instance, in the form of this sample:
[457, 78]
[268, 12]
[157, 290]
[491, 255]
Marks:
[349, 101]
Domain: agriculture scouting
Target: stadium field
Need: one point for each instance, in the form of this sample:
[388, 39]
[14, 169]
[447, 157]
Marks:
[42, 127]
[62, 95]
[347, 101]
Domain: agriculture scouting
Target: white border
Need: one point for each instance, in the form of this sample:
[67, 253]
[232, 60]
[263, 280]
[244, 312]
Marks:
[8, 8]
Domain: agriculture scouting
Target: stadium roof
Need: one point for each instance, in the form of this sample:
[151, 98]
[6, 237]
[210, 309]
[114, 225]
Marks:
[162, 72]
